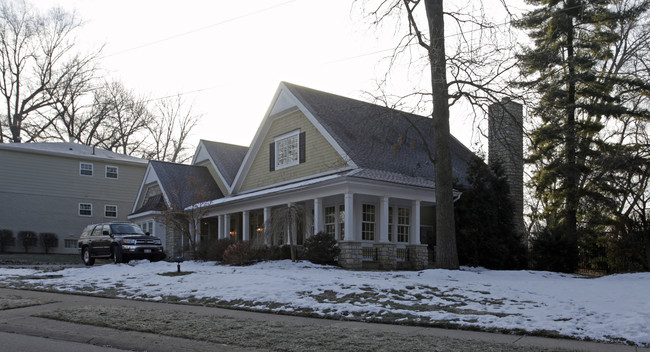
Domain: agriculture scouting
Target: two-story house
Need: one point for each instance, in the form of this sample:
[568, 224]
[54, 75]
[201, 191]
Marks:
[62, 187]
[360, 172]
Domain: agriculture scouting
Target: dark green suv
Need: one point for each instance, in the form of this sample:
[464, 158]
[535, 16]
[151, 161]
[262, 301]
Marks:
[121, 241]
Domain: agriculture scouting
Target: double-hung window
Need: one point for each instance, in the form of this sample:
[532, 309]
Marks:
[111, 171]
[334, 221]
[390, 224]
[110, 211]
[330, 221]
[368, 222]
[287, 151]
[86, 169]
[85, 209]
[403, 224]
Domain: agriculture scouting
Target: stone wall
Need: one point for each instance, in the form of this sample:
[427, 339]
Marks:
[351, 257]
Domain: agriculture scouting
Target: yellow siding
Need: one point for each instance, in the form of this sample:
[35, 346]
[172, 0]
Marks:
[320, 155]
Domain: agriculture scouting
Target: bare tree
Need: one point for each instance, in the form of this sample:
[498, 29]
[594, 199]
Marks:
[184, 210]
[37, 60]
[73, 114]
[479, 86]
[124, 126]
[283, 226]
[171, 124]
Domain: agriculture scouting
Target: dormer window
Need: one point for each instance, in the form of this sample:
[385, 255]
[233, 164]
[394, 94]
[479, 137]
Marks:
[287, 150]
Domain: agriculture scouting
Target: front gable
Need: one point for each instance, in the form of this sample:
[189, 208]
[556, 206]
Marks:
[319, 153]
[314, 155]
[149, 188]
[202, 158]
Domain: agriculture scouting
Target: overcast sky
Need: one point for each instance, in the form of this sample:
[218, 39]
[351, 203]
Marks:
[228, 57]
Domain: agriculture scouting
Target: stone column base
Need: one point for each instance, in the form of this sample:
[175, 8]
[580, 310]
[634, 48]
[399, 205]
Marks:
[386, 256]
[418, 256]
[351, 256]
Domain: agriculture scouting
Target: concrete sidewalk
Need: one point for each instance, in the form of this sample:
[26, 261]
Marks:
[20, 321]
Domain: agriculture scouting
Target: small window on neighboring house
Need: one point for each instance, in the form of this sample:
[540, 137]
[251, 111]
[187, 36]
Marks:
[111, 171]
[110, 211]
[287, 150]
[85, 169]
[70, 243]
[85, 209]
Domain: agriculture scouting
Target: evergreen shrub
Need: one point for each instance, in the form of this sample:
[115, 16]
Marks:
[49, 240]
[321, 248]
[27, 239]
[238, 253]
[6, 239]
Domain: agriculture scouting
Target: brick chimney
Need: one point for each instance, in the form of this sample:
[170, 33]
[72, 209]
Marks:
[505, 144]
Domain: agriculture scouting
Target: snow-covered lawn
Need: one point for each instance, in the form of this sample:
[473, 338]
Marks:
[611, 308]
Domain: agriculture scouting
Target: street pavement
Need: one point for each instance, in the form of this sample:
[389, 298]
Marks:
[20, 331]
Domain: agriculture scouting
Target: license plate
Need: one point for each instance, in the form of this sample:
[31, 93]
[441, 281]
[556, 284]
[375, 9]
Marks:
[147, 250]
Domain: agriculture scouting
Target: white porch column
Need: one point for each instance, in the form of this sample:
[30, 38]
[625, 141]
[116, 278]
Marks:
[245, 231]
[291, 226]
[318, 215]
[414, 236]
[197, 231]
[220, 228]
[267, 218]
[383, 220]
[226, 225]
[349, 216]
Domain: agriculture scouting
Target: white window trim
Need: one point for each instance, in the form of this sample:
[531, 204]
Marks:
[374, 222]
[406, 226]
[117, 172]
[277, 139]
[106, 210]
[81, 169]
[85, 215]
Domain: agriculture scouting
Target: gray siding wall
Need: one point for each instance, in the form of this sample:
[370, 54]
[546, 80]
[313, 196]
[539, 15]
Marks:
[41, 193]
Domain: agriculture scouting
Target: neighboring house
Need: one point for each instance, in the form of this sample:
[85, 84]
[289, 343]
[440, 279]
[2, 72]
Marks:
[62, 187]
[360, 172]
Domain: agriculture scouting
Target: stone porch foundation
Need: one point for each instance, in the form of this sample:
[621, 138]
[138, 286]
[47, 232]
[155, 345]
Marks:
[384, 256]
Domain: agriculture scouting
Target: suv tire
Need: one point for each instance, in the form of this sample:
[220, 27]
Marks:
[117, 255]
[85, 256]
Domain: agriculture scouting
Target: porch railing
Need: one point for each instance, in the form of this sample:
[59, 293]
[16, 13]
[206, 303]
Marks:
[369, 254]
[402, 254]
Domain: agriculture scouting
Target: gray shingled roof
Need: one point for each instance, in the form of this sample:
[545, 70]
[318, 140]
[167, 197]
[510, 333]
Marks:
[227, 158]
[379, 138]
[154, 203]
[72, 150]
[186, 185]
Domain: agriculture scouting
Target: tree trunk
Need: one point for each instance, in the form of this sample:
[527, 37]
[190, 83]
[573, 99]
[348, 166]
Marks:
[571, 145]
[446, 251]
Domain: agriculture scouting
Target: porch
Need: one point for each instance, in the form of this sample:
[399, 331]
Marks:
[377, 227]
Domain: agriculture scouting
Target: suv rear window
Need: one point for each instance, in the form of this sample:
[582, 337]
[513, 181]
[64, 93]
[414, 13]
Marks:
[126, 229]
[97, 231]
[87, 231]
